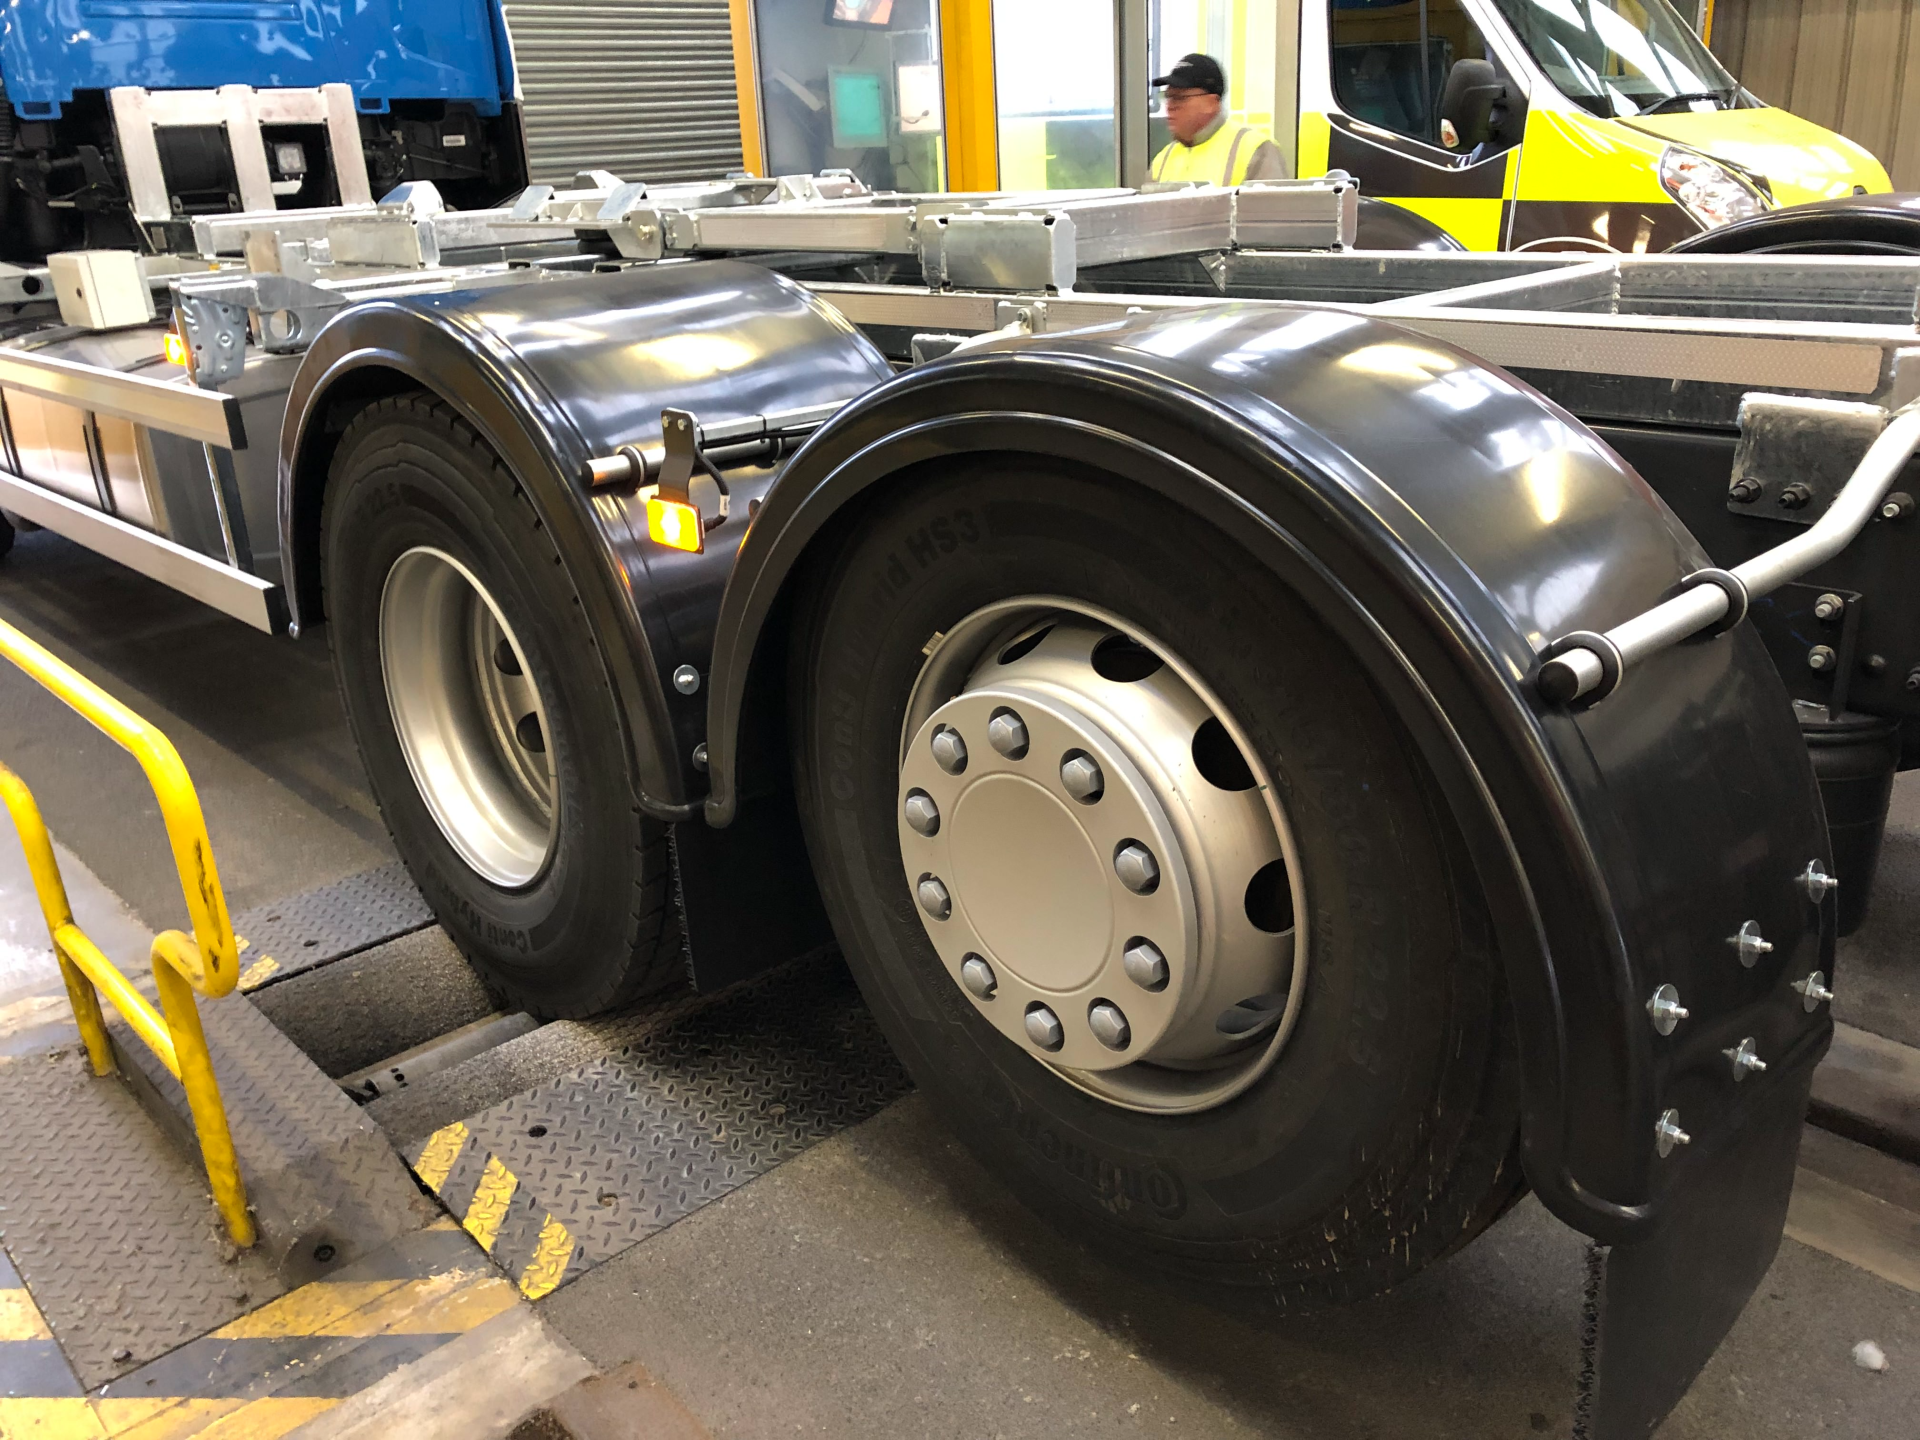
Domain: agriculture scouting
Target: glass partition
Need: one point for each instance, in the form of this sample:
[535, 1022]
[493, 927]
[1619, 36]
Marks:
[1240, 36]
[1053, 68]
[852, 85]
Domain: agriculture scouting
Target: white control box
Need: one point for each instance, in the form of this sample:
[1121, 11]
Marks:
[100, 289]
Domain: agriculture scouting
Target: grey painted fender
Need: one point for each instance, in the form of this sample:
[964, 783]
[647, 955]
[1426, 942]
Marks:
[1448, 522]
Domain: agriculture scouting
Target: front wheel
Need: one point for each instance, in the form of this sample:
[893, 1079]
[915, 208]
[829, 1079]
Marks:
[1149, 889]
[490, 735]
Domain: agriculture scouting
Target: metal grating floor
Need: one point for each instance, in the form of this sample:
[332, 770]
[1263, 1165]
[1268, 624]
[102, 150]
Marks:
[327, 923]
[709, 1097]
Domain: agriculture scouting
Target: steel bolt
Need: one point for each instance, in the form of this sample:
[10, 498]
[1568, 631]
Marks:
[1137, 868]
[1109, 1026]
[1743, 1059]
[977, 975]
[1912, 681]
[1821, 657]
[1813, 991]
[1007, 733]
[1749, 945]
[1667, 1133]
[1743, 492]
[1666, 1009]
[1829, 607]
[1874, 665]
[922, 814]
[1145, 965]
[1795, 497]
[949, 750]
[686, 680]
[934, 898]
[1816, 882]
[1896, 506]
[1080, 773]
[1043, 1028]
[700, 756]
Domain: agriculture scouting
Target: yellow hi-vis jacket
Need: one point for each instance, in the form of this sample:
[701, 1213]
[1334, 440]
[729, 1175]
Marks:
[1231, 155]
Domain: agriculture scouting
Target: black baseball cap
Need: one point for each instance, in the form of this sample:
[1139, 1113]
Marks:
[1197, 72]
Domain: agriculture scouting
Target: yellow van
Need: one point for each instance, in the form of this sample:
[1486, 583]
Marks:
[1553, 124]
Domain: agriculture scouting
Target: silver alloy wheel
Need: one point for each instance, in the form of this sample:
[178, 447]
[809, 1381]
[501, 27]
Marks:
[1119, 892]
[468, 716]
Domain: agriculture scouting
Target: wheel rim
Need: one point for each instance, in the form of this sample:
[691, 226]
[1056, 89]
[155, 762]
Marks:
[1100, 861]
[469, 717]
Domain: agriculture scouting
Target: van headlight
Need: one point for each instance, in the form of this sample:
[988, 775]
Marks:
[1708, 190]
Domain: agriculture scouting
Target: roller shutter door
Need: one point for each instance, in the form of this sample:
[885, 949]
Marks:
[643, 88]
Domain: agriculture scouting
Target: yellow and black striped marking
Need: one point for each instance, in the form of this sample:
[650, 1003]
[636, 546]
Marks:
[268, 1372]
[503, 1217]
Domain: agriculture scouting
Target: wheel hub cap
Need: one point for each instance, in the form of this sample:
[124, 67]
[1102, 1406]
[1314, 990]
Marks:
[1098, 885]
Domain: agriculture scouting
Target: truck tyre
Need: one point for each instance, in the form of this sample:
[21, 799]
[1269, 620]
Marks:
[493, 743]
[1267, 1049]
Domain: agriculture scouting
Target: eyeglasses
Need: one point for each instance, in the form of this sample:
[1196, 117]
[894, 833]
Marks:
[1181, 97]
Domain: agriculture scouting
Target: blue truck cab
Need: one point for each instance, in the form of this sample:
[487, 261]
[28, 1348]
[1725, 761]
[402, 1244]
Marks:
[121, 120]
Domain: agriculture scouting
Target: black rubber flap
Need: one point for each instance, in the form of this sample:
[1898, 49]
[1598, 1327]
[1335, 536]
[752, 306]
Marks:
[1667, 1303]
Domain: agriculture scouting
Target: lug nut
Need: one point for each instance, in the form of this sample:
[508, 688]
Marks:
[1821, 657]
[1743, 492]
[1795, 497]
[933, 897]
[1667, 1133]
[1749, 945]
[1666, 1009]
[1145, 965]
[1007, 733]
[977, 975]
[1816, 882]
[1813, 991]
[1043, 1028]
[949, 750]
[1081, 775]
[1109, 1026]
[922, 814]
[1743, 1059]
[1829, 607]
[1137, 868]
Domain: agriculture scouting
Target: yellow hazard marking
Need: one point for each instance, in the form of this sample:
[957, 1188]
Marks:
[241, 944]
[489, 1205]
[439, 1153]
[259, 972]
[266, 1418]
[549, 1261]
[63, 1419]
[463, 1310]
[20, 1320]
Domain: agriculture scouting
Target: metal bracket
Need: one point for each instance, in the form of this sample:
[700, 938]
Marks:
[216, 335]
[686, 475]
[977, 250]
[1794, 454]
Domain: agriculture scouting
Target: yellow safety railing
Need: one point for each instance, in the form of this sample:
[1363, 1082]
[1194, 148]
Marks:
[208, 962]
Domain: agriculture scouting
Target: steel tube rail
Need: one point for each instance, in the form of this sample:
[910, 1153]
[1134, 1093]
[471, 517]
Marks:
[1581, 669]
[207, 961]
[205, 415]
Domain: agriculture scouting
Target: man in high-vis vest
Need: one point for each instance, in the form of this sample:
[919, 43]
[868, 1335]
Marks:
[1206, 145]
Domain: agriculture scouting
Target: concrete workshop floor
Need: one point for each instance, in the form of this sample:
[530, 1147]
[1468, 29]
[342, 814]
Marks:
[882, 1285]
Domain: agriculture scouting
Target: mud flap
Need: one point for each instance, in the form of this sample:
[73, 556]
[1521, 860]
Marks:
[746, 894]
[1658, 1309]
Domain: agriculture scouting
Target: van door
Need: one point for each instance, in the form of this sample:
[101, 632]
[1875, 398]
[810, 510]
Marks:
[1406, 96]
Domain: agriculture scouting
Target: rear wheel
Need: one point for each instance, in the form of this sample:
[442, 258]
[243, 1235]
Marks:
[1149, 890]
[490, 735]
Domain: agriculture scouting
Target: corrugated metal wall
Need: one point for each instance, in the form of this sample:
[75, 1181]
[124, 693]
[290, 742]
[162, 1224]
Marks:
[1851, 65]
[643, 88]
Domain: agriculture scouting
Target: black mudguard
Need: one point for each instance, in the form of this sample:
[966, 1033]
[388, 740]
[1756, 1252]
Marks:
[553, 373]
[1450, 522]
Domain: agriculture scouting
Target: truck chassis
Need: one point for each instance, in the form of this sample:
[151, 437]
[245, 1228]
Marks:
[1205, 692]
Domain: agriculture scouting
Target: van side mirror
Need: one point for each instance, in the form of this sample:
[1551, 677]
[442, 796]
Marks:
[1478, 102]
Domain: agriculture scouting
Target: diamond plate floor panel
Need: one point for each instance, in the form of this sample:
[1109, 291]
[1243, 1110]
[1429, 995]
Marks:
[109, 1223]
[713, 1094]
[327, 923]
